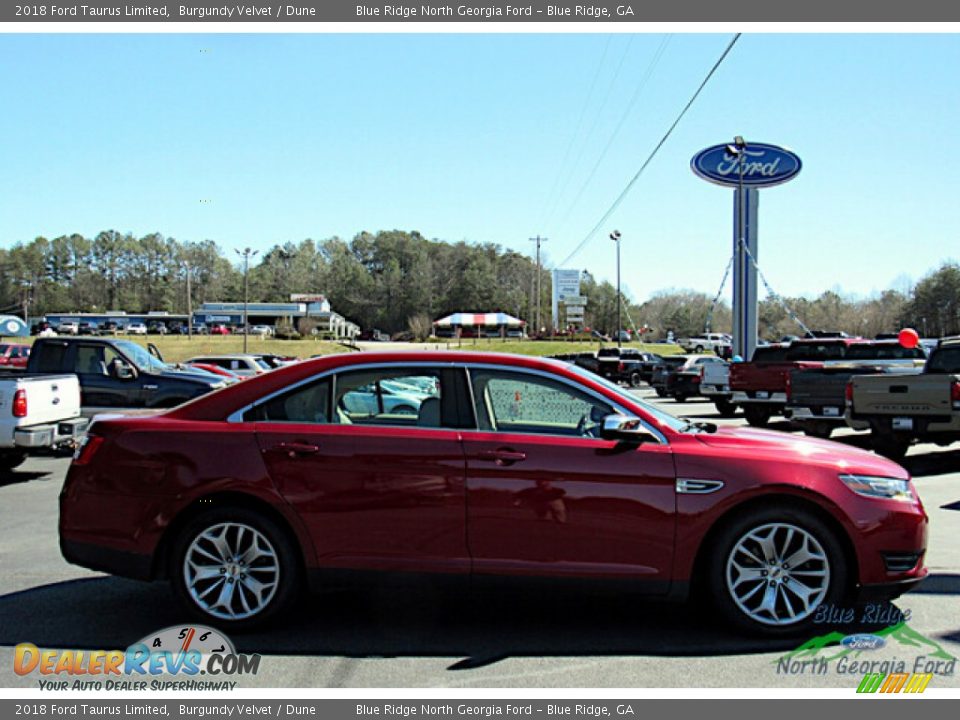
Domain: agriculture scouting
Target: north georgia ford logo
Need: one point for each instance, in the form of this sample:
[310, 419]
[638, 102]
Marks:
[863, 641]
[763, 165]
[180, 650]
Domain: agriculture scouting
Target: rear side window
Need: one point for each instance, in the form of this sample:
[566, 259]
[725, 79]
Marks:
[309, 404]
[51, 358]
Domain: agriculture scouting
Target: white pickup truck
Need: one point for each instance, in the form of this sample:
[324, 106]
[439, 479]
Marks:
[708, 342]
[37, 412]
[715, 387]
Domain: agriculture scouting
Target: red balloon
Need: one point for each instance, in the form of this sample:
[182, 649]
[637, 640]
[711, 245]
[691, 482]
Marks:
[908, 337]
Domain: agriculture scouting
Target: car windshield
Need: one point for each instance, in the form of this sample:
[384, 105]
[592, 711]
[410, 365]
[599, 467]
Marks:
[143, 359]
[661, 416]
[262, 364]
[884, 351]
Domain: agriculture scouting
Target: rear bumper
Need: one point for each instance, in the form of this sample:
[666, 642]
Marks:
[108, 560]
[805, 413]
[774, 398]
[44, 436]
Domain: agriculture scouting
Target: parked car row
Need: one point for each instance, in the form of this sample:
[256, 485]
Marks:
[153, 327]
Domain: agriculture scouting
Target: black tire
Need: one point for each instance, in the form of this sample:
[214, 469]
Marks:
[889, 445]
[404, 410]
[661, 392]
[757, 415]
[680, 398]
[698, 349]
[724, 543]
[289, 575]
[11, 460]
[726, 408]
[817, 429]
[635, 379]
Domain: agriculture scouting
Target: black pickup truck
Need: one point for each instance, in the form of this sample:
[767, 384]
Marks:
[622, 365]
[118, 374]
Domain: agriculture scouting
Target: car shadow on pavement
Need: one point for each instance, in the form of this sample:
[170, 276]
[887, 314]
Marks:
[14, 477]
[479, 625]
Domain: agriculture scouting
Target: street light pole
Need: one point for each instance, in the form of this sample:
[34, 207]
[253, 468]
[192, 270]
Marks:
[189, 304]
[615, 236]
[246, 254]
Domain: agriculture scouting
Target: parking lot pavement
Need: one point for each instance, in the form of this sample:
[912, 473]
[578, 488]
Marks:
[432, 636]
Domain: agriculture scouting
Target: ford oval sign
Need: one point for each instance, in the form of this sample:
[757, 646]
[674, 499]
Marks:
[863, 642]
[763, 165]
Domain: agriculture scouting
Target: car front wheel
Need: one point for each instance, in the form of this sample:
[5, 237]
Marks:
[235, 568]
[770, 570]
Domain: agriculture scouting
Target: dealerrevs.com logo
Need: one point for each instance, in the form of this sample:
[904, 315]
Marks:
[197, 657]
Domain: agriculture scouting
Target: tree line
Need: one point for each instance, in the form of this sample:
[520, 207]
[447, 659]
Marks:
[398, 281]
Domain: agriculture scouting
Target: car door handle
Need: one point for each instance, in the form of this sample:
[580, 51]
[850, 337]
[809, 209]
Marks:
[149, 387]
[296, 448]
[502, 457]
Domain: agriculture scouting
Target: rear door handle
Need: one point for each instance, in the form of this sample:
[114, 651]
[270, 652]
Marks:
[502, 457]
[296, 448]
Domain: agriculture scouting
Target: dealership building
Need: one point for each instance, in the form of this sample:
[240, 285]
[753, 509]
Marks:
[314, 307]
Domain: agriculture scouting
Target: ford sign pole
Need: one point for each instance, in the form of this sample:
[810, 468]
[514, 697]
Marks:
[745, 168]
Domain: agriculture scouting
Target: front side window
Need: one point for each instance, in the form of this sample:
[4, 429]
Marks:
[523, 403]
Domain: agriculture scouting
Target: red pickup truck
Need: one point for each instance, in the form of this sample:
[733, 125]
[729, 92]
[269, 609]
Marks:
[760, 386]
[13, 356]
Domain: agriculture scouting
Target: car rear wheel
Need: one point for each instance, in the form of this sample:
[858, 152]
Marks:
[11, 460]
[726, 408]
[756, 416]
[635, 379]
[770, 570]
[889, 445]
[235, 568]
[817, 429]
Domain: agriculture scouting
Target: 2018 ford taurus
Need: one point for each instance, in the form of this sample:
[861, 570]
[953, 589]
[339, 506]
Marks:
[501, 465]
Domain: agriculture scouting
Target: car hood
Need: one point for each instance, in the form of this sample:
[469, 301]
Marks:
[197, 376]
[782, 446]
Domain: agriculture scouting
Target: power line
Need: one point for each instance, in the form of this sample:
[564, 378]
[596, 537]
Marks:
[663, 140]
[548, 205]
[623, 118]
[593, 127]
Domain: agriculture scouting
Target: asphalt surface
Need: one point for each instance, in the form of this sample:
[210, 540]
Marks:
[461, 636]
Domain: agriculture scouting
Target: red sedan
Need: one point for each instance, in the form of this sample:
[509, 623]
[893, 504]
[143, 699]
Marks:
[14, 355]
[509, 466]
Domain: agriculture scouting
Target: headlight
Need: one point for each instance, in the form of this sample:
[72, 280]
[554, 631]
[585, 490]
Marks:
[879, 487]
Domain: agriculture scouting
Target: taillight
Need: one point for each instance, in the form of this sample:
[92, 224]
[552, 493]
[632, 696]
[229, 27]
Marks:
[87, 450]
[848, 393]
[620, 367]
[20, 403]
[788, 385]
[955, 395]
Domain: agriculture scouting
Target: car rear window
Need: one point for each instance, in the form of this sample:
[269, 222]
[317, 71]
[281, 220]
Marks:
[50, 358]
[816, 351]
[770, 354]
[944, 360]
[885, 351]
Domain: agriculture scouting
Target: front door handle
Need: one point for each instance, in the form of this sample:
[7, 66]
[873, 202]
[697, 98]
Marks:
[503, 456]
[296, 448]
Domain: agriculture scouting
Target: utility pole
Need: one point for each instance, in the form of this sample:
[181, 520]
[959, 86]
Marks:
[246, 253]
[538, 240]
[615, 236]
[189, 304]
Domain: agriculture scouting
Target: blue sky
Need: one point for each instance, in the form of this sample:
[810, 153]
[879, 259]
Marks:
[262, 139]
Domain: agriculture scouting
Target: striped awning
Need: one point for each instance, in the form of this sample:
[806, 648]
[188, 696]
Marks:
[496, 319]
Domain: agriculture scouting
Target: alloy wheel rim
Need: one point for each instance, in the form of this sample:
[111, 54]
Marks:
[231, 571]
[778, 574]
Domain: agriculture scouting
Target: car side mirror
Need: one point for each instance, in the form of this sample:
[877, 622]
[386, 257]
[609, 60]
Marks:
[122, 371]
[624, 428]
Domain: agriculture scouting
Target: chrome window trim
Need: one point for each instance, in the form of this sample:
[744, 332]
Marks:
[237, 415]
[661, 438]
